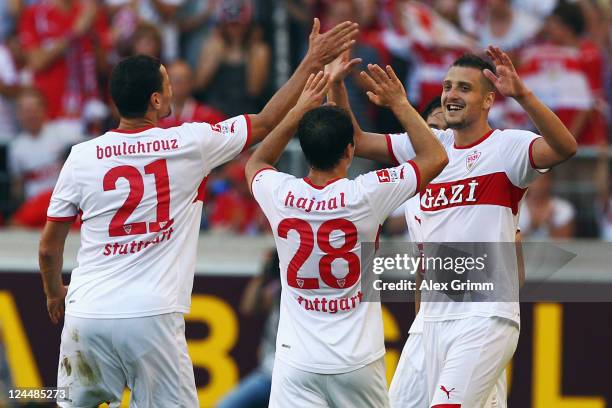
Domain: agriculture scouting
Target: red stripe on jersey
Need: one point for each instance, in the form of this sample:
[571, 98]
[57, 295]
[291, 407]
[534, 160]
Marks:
[531, 153]
[62, 219]
[446, 406]
[248, 138]
[482, 139]
[417, 173]
[394, 160]
[489, 189]
[201, 191]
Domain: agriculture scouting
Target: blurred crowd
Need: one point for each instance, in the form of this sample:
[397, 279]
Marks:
[226, 57]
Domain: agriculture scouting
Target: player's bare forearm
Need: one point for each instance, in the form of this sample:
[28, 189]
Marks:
[430, 156]
[558, 143]
[372, 146]
[270, 150]
[323, 48]
[50, 256]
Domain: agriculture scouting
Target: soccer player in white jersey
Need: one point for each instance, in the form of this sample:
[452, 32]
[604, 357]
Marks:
[330, 343]
[475, 199]
[408, 388]
[139, 189]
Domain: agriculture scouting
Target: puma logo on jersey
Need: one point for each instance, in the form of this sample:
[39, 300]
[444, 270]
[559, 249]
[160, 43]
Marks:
[442, 196]
[447, 392]
[471, 159]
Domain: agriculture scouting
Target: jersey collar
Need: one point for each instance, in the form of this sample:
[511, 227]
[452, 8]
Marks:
[313, 185]
[477, 142]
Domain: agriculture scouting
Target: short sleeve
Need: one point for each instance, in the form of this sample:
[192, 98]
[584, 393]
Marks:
[389, 188]
[515, 152]
[221, 142]
[400, 148]
[264, 185]
[65, 199]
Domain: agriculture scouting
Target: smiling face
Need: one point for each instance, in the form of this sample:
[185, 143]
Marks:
[466, 97]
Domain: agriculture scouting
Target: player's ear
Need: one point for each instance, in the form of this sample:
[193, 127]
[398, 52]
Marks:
[488, 100]
[156, 100]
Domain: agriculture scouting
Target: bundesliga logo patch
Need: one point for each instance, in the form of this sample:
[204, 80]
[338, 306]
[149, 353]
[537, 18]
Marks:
[471, 160]
[389, 175]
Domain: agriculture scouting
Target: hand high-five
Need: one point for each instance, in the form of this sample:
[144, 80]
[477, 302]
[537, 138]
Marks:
[385, 89]
[327, 46]
[507, 81]
[313, 93]
[339, 68]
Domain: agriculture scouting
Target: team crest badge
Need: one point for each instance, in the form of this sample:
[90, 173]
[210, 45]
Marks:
[471, 160]
[341, 282]
[127, 229]
[300, 282]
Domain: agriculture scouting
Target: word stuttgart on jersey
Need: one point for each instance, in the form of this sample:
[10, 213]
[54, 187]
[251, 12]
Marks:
[326, 305]
[406, 262]
[133, 247]
[126, 149]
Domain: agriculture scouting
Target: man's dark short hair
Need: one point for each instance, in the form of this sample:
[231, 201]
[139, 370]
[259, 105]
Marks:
[132, 83]
[470, 60]
[434, 104]
[324, 133]
[571, 16]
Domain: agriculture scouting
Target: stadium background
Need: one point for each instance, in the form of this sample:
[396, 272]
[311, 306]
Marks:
[237, 53]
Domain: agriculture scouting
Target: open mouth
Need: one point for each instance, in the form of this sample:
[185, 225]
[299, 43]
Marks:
[452, 107]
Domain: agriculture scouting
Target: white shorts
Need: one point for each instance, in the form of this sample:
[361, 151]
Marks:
[364, 388]
[465, 358]
[100, 357]
[409, 385]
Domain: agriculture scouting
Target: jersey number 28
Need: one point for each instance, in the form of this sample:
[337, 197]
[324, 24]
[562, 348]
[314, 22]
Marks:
[307, 236]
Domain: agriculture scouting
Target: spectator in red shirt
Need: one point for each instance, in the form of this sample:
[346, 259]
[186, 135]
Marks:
[234, 209]
[184, 106]
[62, 39]
[565, 28]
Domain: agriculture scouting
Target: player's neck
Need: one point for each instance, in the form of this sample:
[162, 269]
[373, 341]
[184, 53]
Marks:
[469, 135]
[322, 178]
[136, 123]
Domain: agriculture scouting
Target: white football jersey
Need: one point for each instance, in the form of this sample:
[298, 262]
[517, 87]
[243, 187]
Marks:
[475, 199]
[140, 194]
[325, 326]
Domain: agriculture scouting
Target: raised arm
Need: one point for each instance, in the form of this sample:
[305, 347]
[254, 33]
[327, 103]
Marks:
[270, 150]
[387, 90]
[322, 49]
[50, 259]
[368, 145]
[557, 143]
